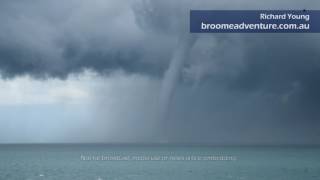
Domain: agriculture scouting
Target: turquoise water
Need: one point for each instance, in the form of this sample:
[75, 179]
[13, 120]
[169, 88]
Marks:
[66, 162]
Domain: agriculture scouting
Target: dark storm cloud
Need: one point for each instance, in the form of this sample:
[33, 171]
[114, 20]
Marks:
[45, 40]
[285, 64]
[52, 39]
[258, 87]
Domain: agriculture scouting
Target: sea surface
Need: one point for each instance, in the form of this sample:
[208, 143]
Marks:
[161, 162]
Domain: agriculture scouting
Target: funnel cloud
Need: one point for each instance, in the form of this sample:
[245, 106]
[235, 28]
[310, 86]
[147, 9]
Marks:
[171, 78]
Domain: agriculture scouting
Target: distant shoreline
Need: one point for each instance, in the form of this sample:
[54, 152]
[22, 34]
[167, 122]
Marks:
[161, 145]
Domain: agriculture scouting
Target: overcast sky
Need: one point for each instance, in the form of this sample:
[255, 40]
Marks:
[93, 71]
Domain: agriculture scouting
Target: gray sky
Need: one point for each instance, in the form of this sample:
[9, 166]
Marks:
[91, 71]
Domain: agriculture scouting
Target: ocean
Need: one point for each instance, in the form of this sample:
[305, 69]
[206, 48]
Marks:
[160, 162]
